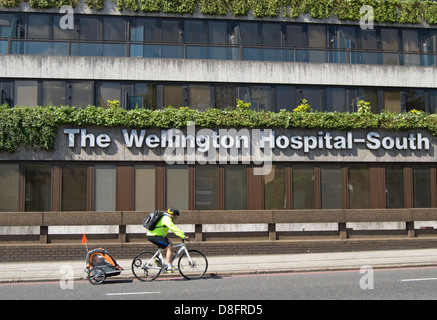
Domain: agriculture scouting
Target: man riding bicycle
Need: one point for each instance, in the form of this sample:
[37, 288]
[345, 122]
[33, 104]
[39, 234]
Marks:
[158, 235]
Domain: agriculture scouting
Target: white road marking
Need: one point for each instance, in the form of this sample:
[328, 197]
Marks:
[420, 279]
[130, 293]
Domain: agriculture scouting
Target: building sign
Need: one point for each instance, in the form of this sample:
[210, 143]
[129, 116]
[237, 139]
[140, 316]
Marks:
[192, 145]
[245, 139]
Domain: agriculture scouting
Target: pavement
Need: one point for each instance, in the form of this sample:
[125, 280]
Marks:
[235, 265]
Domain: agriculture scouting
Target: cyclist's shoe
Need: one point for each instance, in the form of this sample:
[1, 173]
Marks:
[171, 269]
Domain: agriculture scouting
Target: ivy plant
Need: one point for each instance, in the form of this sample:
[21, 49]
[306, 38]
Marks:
[37, 127]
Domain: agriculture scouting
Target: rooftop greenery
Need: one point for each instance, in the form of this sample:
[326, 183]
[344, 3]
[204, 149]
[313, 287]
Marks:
[386, 11]
[37, 127]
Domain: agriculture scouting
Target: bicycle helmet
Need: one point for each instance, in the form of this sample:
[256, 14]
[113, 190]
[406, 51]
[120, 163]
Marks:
[173, 211]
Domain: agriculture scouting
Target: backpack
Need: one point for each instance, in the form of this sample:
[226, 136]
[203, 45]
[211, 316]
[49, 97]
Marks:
[152, 219]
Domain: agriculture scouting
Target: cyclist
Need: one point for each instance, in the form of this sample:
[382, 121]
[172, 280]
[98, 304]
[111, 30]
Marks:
[158, 235]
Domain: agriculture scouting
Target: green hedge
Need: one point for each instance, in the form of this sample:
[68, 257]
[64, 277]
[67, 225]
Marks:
[37, 127]
[388, 11]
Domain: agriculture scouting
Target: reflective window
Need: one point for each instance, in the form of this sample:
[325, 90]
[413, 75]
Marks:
[336, 99]
[394, 186]
[359, 187]
[225, 97]
[275, 186]
[421, 186]
[235, 187]
[26, 93]
[415, 100]
[173, 96]
[144, 187]
[104, 187]
[108, 91]
[392, 100]
[176, 185]
[206, 187]
[74, 187]
[390, 42]
[53, 93]
[285, 98]
[144, 96]
[9, 176]
[303, 186]
[82, 94]
[38, 26]
[37, 187]
[331, 186]
[199, 96]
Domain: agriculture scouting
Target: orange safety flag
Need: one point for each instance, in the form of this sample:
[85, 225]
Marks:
[84, 240]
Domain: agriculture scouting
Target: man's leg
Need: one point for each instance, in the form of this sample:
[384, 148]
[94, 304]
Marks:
[169, 253]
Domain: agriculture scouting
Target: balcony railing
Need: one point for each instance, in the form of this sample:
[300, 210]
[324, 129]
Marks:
[218, 52]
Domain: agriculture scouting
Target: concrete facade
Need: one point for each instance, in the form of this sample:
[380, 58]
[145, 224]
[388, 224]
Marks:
[234, 71]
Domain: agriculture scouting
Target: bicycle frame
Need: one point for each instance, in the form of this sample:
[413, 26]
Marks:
[158, 254]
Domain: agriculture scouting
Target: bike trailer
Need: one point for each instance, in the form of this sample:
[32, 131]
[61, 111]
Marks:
[100, 265]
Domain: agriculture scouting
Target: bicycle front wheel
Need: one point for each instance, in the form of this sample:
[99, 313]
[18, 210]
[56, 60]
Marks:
[145, 268]
[194, 266]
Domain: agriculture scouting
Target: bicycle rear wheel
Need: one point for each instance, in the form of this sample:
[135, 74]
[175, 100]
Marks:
[194, 269]
[144, 268]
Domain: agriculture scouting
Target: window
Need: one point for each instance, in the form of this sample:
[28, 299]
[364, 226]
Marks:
[53, 93]
[82, 94]
[176, 185]
[249, 33]
[90, 28]
[421, 187]
[114, 29]
[74, 187]
[171, 31]
[37, 187]
[335, 99]
[206, 187]
[7, 25]
[108, 91]
[9, 176]
[303, 186]
[104, 187]
[394, 186]
[313, 96]
[26, 93]
[38, 26]
[145, 96]
[173, 96]
[285, 98]
[200, 96]
[271, 34]
[390, 42]
[275, 186]
[225, 97]
[359, 187]
[432, 101]
[415, 100]
[317, 38]
[144, 187]
[392, 101]
[235, 187]
[369, 95]
[331, 186]
[194, 31]
[260, 98]
[218, 32]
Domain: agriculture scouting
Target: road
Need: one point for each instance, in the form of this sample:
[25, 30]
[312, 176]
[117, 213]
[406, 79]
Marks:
[367, 284]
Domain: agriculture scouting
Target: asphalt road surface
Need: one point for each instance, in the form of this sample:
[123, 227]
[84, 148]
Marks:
[221, 293]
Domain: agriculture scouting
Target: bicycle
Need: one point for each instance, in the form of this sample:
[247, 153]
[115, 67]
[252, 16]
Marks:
[192, 264]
